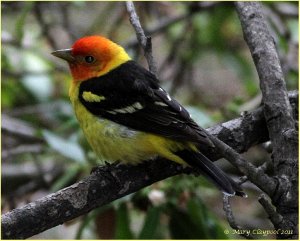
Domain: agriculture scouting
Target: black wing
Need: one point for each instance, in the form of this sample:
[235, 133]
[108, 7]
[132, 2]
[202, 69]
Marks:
[134, 99]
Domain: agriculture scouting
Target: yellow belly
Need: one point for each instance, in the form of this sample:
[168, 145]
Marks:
[115, 142]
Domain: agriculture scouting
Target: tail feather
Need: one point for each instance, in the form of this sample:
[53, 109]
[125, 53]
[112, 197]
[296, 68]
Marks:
[212, 172]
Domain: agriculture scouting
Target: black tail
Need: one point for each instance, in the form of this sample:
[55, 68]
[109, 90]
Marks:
[212, 172]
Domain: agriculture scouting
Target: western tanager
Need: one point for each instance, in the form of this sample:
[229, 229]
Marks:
[127, 116]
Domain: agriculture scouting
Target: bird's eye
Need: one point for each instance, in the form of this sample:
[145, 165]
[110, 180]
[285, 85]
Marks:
[89, 59]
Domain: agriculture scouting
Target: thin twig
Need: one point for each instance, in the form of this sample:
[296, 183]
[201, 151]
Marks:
[66, 21]
[230, 217]
[275, 217]
[242, 180]
[286, 9]
[45, 26]
[255, 175]
[33, 148]
[165, 23]
[56, 106]
[144, 40]
[19, 128]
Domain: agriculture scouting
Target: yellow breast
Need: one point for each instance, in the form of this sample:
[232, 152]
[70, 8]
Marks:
[115, 142]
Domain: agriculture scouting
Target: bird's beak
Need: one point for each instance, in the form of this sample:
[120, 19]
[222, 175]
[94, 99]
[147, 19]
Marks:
[65, 54]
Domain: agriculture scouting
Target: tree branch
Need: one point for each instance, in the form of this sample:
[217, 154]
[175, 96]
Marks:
[109, 183]
[165, 23]
[106, 184]
[45, 27]
[275, 218]
[277, 111]
[19, 128]
[230, 218]
[143, 40]
[255, 175]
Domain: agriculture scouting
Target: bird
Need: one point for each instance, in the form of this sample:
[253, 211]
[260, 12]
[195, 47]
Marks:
[126, 116]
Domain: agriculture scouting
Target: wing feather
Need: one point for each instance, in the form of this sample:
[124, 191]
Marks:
[134, 99]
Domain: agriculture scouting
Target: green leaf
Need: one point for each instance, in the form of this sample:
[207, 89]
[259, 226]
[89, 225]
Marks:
[210, 226]
[195, 222]
[88, 218]
[123, 230]
[182, 226]
[66, 148]
[197, 212]
[151, 224]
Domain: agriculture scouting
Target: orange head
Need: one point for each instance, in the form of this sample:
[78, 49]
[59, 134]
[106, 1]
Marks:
[92, 56]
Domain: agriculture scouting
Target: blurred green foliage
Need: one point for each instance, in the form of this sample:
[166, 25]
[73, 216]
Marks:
[203, 61]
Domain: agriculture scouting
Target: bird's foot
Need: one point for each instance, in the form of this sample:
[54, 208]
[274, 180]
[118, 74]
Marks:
[106, 167]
